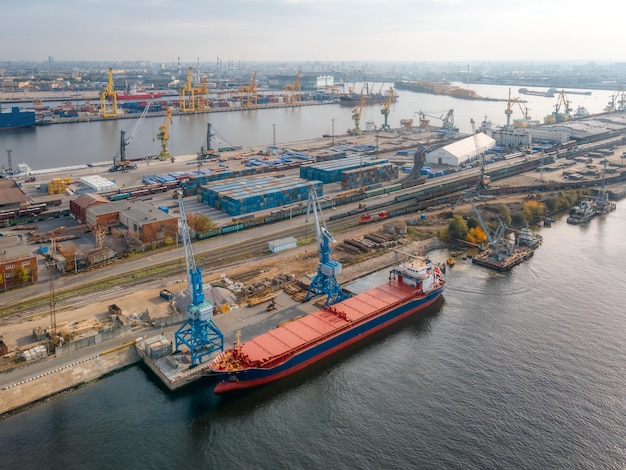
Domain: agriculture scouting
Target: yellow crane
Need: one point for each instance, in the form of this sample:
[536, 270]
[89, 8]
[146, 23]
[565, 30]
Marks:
[248, 94]
[291, 89]
[164, 135]
[187, 94]
[108, 92]
[385, 109]
[356, 115]
[202, 96]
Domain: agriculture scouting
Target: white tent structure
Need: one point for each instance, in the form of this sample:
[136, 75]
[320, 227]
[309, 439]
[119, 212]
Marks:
[461, 151]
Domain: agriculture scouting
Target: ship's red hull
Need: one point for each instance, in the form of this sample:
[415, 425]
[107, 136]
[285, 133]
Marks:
[138, 96]
[228, 386]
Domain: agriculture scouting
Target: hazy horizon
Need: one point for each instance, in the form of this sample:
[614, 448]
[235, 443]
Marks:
[312, 31]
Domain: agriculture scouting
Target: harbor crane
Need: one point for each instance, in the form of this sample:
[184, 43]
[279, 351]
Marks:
[291, 89]
[248, 94]
[164, 135]
[120, 162]
[198, 332]
[447, 126]
[187, 94]
[325, 281]
[385, 110]
[356, 115]
[206, 151]
[485, 180]
[201, 95]
[498, 245]
[108, 93]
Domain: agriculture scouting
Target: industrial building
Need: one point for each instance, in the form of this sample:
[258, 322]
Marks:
[79, 206]
[18, 264]
[461, 151]
[150, 224]
[11, 195]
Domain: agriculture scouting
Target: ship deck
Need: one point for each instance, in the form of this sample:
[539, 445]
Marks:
[303, 332]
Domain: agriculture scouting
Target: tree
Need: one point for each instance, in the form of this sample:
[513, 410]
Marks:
[476, 236]
[505, 214]
[200, 223]
[533, 210]
[457, 228]
[23, 275]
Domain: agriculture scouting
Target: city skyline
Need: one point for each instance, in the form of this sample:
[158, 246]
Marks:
[311, 30]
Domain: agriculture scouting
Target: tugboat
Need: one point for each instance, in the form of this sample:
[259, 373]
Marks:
[528, 238]
[582, 213]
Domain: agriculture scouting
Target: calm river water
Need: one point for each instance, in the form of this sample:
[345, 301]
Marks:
[98, 141]
[519, 370]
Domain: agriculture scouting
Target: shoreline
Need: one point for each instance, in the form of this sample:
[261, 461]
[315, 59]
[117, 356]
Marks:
[26, 386]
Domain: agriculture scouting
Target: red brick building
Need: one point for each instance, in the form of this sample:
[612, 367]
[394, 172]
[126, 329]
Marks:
[150, 224]
[18, 265]
[79, 206]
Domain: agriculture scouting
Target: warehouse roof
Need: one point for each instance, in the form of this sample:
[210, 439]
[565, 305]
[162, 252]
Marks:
[13, 248]
[467, 147]
[10, 193]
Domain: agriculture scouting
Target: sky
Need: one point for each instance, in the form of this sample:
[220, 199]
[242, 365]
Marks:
[312, 30]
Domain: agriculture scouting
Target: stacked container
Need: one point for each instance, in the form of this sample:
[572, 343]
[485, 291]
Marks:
[368, 176]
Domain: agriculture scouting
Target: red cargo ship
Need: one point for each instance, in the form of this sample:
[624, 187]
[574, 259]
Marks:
[299, 343]
[138, 95]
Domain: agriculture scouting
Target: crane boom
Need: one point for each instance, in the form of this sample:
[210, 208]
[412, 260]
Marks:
[325, 281]
[198, 332]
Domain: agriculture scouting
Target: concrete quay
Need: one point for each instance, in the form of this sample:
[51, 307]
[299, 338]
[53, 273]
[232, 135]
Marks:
[25, 386]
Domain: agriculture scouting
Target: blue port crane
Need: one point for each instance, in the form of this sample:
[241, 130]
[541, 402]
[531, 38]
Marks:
[325, 281]
[198, 332]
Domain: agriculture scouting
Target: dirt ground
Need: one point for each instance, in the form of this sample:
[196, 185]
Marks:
[299, 262]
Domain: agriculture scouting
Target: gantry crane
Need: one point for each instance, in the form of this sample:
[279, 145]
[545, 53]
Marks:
[249, 94]
[108, 93]
[186, 94]
[356, 115]
[291, 89]
[120, 162]
[325, 281]
[386, 108]
[201, 95]
[164, 135]
[198, 332]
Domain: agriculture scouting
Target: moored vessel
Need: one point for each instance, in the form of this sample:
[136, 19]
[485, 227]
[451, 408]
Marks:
[582, 213]
[16, 118]
[294, 345]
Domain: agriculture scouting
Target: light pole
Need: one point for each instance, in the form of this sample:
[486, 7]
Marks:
[332, 132]
[274, 135]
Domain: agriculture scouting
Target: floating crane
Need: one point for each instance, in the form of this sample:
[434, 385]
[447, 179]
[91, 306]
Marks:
[164, 135]
[495, 237]
[386, 108]
[187, 94]
[325, 281]
[120, 162]
[291, 89]
[198, 332]
[108, 93]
